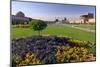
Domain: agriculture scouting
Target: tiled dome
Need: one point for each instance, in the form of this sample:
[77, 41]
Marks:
[20, 14]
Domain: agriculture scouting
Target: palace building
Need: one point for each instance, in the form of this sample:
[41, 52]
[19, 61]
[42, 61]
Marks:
[89, 18]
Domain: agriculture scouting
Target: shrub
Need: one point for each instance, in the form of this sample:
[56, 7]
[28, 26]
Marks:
[38, 25]
[80, 43]
[16, 59]
[29, 59]
[72, 54]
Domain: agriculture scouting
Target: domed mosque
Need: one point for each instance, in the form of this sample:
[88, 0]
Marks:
[20, 16]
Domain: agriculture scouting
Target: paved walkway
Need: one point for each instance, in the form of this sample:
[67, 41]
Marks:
[84, 29]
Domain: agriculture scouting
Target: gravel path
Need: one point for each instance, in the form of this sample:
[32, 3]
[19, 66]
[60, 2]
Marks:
[84, 29]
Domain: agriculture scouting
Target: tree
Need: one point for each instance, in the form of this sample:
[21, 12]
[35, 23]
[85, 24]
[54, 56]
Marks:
[56, 20]
[65, 19]
[30, 19]
[38, 25]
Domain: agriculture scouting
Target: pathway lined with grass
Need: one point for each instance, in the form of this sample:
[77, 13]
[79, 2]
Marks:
[81, 28]
[87, 26]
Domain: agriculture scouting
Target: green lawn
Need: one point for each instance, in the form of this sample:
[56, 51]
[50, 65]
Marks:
[58, 30]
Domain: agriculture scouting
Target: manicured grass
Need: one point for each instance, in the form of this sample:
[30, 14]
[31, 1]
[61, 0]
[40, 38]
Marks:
[59, 30]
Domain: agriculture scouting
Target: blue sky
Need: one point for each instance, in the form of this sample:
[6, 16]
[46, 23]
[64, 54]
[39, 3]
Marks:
[50, 11]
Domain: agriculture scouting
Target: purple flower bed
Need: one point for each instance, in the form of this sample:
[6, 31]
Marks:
[44, 47]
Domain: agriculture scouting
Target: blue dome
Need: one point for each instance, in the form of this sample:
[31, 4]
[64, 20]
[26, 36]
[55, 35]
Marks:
[20, 14]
